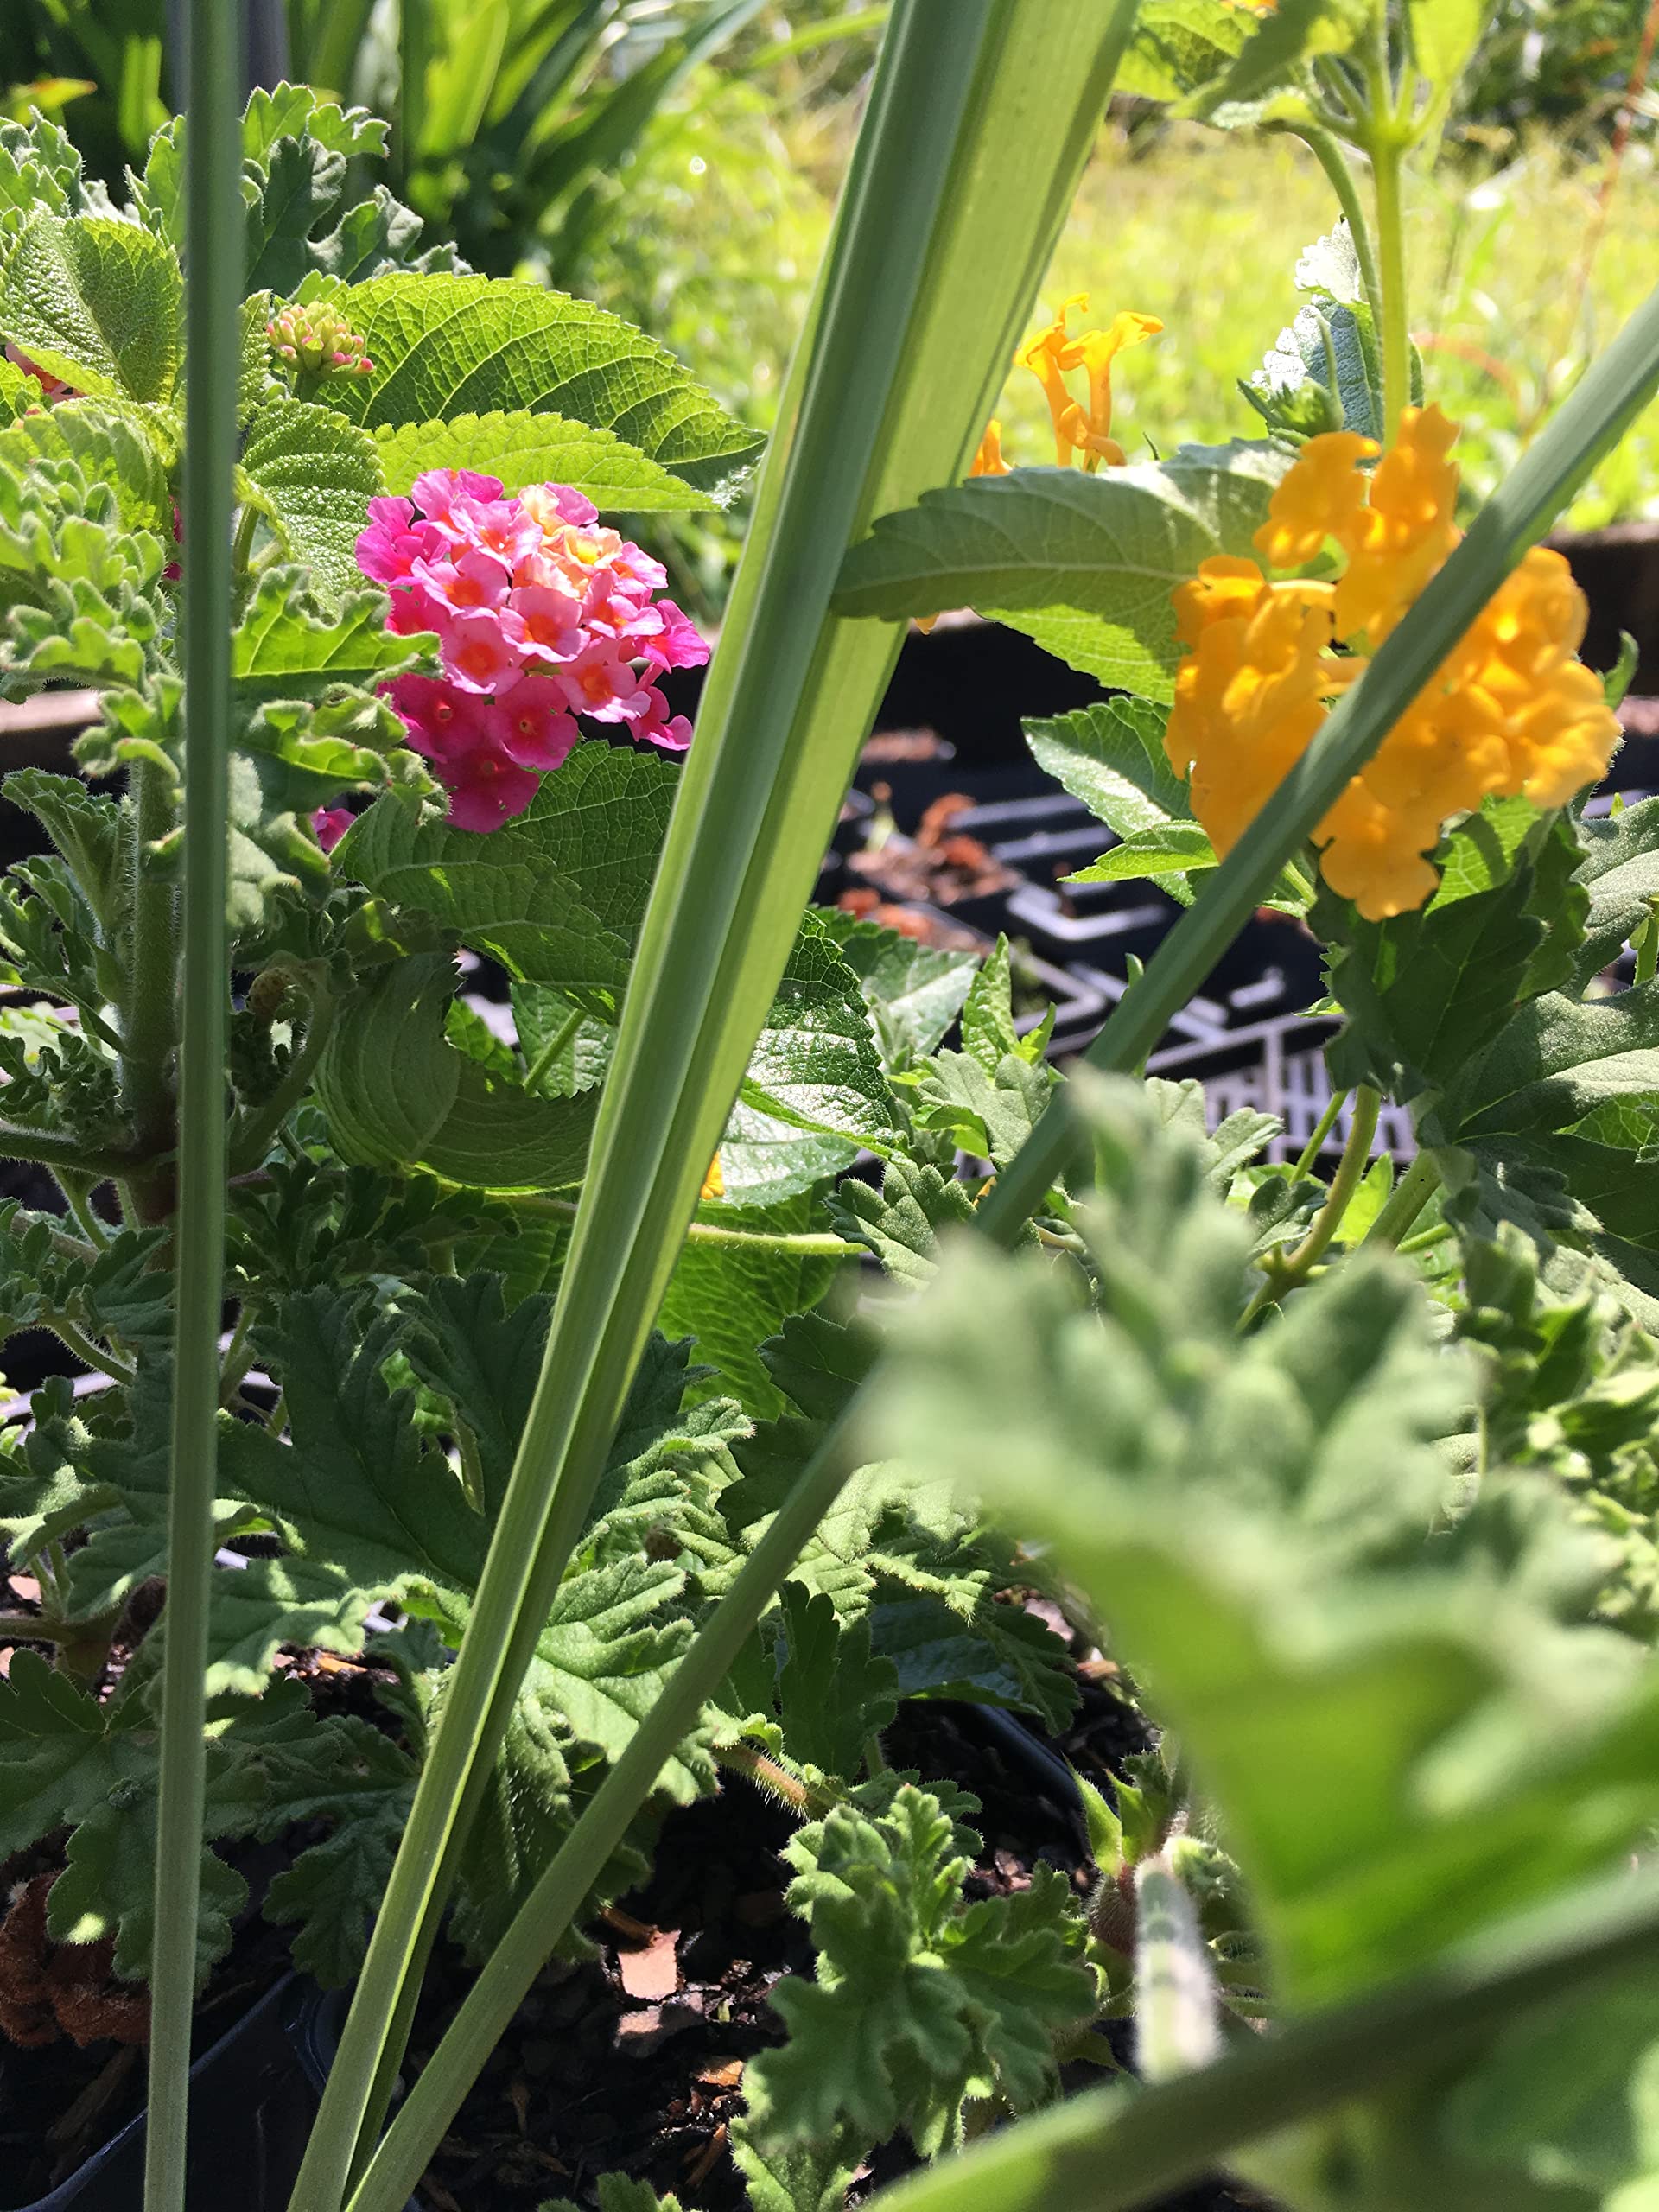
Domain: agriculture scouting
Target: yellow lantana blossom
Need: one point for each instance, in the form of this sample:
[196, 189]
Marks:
[989, 460]
[1080, 427]
[1511, 710]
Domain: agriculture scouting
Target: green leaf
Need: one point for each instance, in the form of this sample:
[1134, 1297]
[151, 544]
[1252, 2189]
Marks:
[731, 1297]
[921, 2002]
[565, 1048]
[1556, 1062]
[286, 642]
[1111, 756]
[1083, 564]
[71, 1763]
[1426, 991]
[1620, 870]
[556, 894]
[331, 1891]
[1252, 1516]
[899, 1224]
[832, 1695]
[1178, 47]
[914, 992]
[130, 449]
[988, 1112]
[443, 1111]
[311, 476]
[521, 447]
[448, 346]
[1296, 32]
[816, 1089]
[808, 2178]
[1445, 34]
[98, 302]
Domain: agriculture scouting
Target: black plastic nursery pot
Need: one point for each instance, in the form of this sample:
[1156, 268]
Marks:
[253, 2096]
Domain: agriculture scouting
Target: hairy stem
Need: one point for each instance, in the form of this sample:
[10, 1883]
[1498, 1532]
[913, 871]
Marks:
[1328, 150]
[1405, 1202]
[1283, 1275]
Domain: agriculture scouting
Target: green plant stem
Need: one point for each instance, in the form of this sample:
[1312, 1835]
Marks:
[78, 1196]
[1112, 2151]
[549, 1051]
[242, 545]
[148, 1019]
[55, 1152]
[559, 1895]
[238, 1356]
[213, 234]
[93, 1355]
[253, 1139]
[1588, 424]
[1647, 951]
[1315, 1144]
[1405, 1202]
[1424, 1239]
[807, 1243]
[1283, 1275]
[1388, 134]
[1328, 152]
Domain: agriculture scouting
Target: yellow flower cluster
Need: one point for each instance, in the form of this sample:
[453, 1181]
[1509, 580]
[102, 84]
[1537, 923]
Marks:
[1511, 710]
[1081, 427]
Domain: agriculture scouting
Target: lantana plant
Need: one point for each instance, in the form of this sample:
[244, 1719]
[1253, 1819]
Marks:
[651, 1398]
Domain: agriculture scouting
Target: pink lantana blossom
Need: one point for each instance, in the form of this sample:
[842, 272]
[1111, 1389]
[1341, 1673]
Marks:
[483, 648]
[536, 729]
[542, 615]
[671, 732]
[600, 683]
[329, 825]
[552, 622]
[676, 644]
[435, 492]
[472, 580]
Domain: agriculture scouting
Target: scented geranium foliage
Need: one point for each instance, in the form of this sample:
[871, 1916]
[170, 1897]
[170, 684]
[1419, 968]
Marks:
[541, 616]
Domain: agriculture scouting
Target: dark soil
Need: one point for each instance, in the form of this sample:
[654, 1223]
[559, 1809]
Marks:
[632, 2062]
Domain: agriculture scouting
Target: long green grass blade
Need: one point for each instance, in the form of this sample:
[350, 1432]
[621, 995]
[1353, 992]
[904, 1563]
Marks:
[212, 328]
[1111, 2150]
[964, 168]
[1588, 424]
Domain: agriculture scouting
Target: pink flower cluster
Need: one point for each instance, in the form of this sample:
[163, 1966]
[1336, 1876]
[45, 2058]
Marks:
[541, 614]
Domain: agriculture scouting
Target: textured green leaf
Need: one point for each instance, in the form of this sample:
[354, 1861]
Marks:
[445, 348]
[333, 1889]
[1083, 564]
[816, 1089]
[1296, 32]
[1366, 1709]
[98, 302]
[1111, 756]
[919, 2003]
[899, 1224]
[311, 476]
[128, 448]
[1620, 870]
[566, 1048]
[913, 991]
[832, 1694]
[1556, 1061]
[398, 1094]
[1425, 992]
[731, 1297]
[1178, 47]
[286, 642]
[524, 448]
[990, 1112]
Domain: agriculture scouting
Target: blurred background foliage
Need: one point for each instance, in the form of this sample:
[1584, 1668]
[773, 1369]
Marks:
[677, 160]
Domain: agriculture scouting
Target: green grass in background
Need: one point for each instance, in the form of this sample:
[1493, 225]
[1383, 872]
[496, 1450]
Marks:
[1205, 231]
[721, 217]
